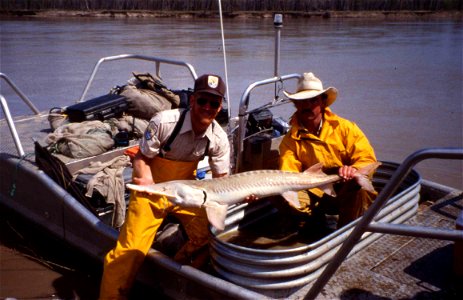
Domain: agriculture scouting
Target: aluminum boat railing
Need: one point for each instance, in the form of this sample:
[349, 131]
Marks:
[20, 93]
[10, 122]
[244, 111]
[157, 60]
[9, 118]
[365, 224]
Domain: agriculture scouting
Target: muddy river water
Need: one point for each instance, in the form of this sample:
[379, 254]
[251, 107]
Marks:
[401, 81]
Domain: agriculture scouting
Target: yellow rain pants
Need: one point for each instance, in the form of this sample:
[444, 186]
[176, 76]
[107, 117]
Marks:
[341, 142]
[144, 216]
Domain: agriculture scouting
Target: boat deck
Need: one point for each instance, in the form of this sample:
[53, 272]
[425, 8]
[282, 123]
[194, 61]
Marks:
[402, 267]
[23, 125]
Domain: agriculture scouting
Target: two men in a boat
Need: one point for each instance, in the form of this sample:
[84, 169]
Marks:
[173, 144]
[176, 140]
[317, 135]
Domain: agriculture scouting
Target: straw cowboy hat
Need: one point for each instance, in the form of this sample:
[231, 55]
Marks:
[310, 86]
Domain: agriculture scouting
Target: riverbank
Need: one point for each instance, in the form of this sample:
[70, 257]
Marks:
[238, 14]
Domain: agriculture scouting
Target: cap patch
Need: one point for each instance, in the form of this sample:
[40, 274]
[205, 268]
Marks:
[211, 84]
[149, 132]
[212, 81]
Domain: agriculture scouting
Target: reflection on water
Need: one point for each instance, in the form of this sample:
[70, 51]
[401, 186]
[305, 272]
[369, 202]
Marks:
[401, 81]
[282, 229]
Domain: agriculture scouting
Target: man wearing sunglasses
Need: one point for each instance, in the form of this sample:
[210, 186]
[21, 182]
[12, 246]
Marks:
[317, 135]
[173, 144]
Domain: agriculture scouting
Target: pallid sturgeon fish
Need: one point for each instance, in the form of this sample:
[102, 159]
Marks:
[216, 194]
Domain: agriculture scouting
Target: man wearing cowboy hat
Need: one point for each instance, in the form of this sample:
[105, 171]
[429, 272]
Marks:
[317, 135]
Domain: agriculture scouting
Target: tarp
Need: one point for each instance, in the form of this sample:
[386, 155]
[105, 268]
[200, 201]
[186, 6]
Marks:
[58, 171]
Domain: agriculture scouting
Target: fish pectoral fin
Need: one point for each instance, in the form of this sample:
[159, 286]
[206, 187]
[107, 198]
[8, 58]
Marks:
[292, 198]
[328, 189]
[216, 214]
[149, 190]
[315, 169]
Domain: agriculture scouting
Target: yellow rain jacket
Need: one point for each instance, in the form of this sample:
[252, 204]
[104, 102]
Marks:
[341, 142]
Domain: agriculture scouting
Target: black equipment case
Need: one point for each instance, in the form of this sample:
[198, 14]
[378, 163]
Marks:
[258, 121]
[101, 108]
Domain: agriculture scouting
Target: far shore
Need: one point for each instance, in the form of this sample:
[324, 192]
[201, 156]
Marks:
[237, 14]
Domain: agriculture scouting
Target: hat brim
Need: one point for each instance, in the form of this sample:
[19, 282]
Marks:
[331, 92]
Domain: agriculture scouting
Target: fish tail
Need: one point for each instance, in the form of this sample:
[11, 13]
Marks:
[369, 169]
[364, 174]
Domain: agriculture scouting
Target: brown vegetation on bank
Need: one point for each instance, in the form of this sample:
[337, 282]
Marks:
[454, 15]
[232, 8]
[235, 5]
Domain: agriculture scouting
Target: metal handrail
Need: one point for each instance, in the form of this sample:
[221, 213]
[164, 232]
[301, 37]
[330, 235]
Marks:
[243, 111]
[12, 127]
[364, 223]
[416, 231]
[157, 60]
[9, 118]
[20, 94]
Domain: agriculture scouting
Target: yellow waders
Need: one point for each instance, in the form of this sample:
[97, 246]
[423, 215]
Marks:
[144, 216]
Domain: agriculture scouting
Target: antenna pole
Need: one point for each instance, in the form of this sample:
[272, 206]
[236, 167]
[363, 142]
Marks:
[225, 60]
[278, 23]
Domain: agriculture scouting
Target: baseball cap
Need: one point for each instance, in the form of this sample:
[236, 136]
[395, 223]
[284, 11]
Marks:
[209, 83]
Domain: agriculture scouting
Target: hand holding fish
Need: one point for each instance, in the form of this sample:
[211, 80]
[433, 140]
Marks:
[347, 172]
[251, 198]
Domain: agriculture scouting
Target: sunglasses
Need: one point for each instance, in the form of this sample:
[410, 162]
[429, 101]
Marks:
[212, 103]
[312, 101]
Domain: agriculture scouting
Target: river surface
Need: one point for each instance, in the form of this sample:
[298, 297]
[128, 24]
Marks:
[400, 81]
